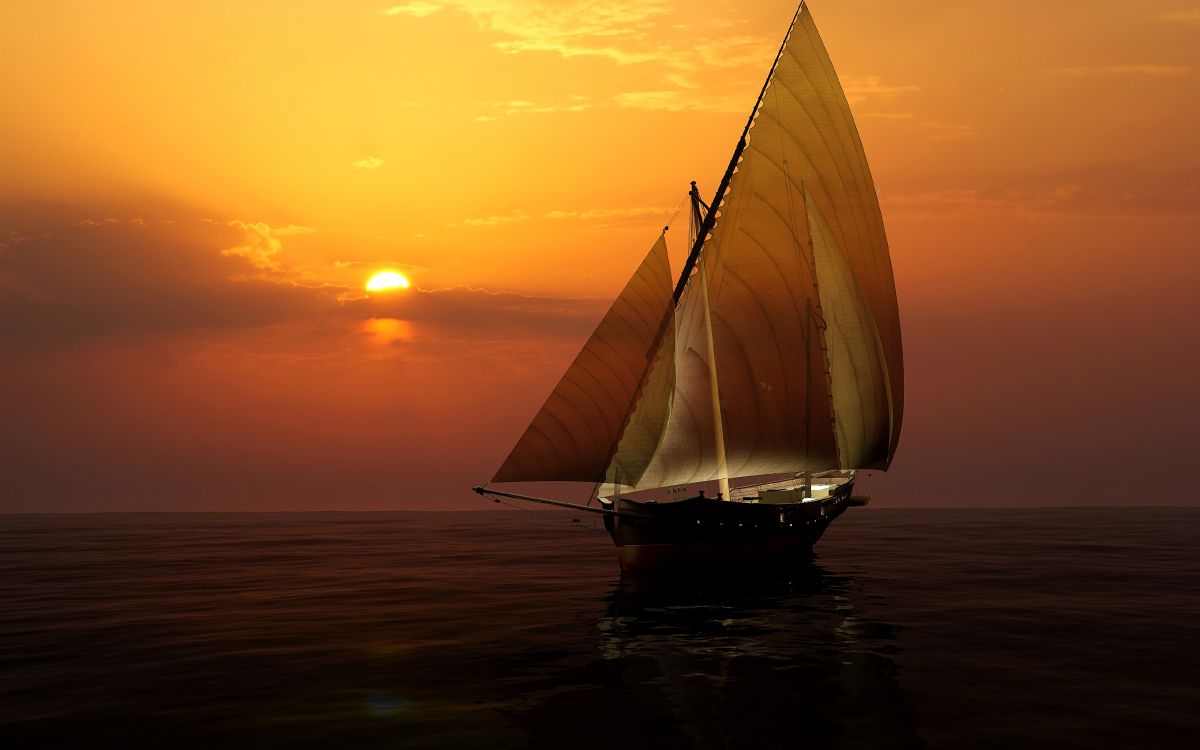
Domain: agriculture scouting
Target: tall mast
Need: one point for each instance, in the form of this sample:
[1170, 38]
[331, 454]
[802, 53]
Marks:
[711, 217]
[698, 221]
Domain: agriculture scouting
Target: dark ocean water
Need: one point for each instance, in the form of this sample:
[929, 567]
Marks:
[913, 628]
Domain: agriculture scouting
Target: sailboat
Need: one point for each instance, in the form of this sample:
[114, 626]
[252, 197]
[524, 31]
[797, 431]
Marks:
[721, 417]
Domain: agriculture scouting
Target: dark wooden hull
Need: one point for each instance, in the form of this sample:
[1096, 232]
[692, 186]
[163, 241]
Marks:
[707, 532]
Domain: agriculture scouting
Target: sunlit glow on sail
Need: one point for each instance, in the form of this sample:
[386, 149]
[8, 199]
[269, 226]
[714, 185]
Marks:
[387, 281]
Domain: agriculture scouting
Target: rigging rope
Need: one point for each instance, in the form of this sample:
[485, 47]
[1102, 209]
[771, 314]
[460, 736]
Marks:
[675, 215]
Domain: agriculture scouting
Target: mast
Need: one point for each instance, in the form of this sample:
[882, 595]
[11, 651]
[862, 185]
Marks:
[711, 217]
[704, 226]
[714, 385]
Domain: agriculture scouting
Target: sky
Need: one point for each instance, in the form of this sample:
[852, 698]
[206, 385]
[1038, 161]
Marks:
[193, 196]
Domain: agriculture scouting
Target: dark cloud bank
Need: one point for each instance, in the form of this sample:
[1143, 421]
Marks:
[66, 276]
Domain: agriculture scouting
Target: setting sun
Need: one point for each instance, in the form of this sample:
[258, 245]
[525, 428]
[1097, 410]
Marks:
[387, 280]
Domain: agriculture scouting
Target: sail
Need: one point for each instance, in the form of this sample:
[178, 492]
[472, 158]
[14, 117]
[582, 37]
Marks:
[686, 451]
[805, 341]
[574, 435]
[815, 134]
[856, 371]
[640, 439]
[783, 353]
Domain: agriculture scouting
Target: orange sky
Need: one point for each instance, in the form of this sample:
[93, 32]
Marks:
[193, 196]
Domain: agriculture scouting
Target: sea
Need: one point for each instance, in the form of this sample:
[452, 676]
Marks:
[1049, 628]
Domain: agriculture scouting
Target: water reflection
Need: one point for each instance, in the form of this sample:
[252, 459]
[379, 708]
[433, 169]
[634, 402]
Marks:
[301, 632]
[740, 658]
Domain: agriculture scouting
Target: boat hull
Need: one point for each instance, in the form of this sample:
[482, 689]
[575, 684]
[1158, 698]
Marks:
[707, 532]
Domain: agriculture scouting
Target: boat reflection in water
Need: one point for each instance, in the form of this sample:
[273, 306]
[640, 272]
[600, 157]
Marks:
[734, 659]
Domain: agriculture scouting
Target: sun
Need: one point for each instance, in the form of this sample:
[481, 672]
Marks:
[386, 281]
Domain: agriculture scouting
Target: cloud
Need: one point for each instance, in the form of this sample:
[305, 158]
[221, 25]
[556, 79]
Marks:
[948, 131]
[1109, 190]
[73, 279]
[1082, 71]
[262, 243]
[492, 221]
[369, 163]
[1186, 15]
[859, 89]
[676, 100]
[682, 81]
[290, 230]
[414, 9]
[382, 263]
[501, 109]
[518, 217]
[609, 213]
[627, 32]
[62, 283]
[730, 52]
[481, 314]
[616, 30]
[683, 99]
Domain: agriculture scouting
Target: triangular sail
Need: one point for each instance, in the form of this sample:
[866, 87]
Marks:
[574, 435]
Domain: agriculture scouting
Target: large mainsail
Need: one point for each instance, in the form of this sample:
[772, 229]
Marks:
[783, 353]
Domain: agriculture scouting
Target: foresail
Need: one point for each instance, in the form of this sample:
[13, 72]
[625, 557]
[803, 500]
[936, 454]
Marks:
[574, 435]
